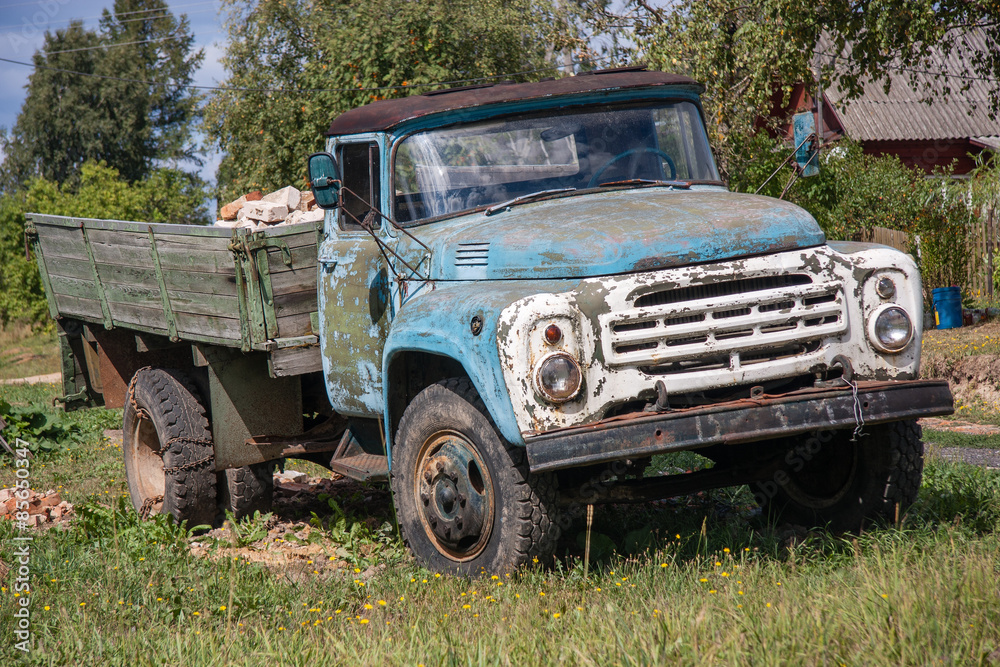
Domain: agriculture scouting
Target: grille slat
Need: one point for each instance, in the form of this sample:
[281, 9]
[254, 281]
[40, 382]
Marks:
[763, 318]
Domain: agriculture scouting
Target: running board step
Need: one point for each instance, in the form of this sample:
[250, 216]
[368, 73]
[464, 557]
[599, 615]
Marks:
[362, 467]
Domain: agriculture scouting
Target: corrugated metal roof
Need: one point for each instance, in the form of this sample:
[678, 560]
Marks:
[903, 113]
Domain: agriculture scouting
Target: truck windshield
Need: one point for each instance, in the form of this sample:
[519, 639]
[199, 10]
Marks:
[459, 168]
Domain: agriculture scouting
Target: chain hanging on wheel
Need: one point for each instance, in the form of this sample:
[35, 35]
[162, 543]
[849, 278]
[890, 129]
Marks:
[147, 506]
[193, 464]
[140, 412]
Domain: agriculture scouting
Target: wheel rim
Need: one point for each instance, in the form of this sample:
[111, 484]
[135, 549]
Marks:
[454, 496]
[146, 464]
[827, 479]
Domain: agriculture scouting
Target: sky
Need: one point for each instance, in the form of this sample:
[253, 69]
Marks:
[22, 32]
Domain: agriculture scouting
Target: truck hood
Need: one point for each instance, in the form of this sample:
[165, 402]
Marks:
[614, 232]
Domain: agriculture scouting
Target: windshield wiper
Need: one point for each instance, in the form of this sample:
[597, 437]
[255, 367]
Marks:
[523, 199]
[647, 181]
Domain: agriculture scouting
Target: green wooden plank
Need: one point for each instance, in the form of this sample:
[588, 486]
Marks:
[302, 258]
[295, 303]
[168, 312]
[79, 307]
[172, 258]
[290, 326]
[97, 281]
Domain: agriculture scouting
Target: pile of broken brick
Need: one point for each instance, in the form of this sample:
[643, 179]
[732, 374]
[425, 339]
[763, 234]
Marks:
[257, 211]
[42, 508]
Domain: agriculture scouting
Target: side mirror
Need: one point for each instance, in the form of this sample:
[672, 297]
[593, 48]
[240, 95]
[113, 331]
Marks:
[324, 178]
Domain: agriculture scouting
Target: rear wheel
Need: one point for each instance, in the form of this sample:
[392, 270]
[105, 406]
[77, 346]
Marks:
[845, 485]
[246, 490]
[168, 450]
[465, 499]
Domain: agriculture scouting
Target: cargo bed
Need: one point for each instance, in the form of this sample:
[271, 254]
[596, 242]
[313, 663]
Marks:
[254, 291]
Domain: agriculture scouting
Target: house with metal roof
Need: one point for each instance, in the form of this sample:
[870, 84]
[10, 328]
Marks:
[913, 120]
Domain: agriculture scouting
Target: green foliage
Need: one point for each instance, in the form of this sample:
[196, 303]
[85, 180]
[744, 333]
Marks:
[335, 52]
[959, 492]
[21, 296]
[41, 429]
[166, 195]
[67, 119]
[749, 54]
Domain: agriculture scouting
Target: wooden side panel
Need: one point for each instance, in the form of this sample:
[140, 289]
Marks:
[294, 287]
[105, 271]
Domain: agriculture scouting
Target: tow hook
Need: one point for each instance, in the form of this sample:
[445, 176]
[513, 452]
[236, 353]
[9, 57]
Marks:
[845, 378]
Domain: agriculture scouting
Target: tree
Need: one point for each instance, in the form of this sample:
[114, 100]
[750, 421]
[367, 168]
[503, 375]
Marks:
[166, 195]
[745, 51]
[295, 64]
[134, 110]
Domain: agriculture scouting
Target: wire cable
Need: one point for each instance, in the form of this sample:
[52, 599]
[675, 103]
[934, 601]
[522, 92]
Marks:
[304, 90]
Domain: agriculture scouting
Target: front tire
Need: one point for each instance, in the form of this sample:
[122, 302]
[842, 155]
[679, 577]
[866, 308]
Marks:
[168, 450]
[846, 485]
[465, 499]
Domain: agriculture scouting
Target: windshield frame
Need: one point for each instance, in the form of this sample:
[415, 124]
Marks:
[551, 106]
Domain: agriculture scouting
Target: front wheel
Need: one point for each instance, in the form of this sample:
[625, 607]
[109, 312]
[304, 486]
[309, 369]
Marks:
[465, 499]
[829, 480]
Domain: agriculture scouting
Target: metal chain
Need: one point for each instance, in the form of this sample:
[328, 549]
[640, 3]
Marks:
[193, 464]
[140, 412]
[147, 506]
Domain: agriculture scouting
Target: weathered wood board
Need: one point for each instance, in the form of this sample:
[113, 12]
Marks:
[203, 284]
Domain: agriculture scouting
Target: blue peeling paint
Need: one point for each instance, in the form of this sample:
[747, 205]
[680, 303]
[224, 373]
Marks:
[438, 322]
[607, 233]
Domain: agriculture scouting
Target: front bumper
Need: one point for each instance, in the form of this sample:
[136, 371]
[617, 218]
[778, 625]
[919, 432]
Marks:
[736, 422]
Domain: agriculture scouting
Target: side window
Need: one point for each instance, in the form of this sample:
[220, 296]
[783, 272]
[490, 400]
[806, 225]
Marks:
[359, 166]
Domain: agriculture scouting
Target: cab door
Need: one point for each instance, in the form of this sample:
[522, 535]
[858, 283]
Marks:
[353, 283]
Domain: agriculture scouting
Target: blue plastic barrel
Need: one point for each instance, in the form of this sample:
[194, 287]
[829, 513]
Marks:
[947, 307]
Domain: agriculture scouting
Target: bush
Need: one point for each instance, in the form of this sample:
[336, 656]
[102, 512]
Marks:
[168, 195]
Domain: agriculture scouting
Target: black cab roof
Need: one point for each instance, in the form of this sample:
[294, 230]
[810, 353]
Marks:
[386, 114]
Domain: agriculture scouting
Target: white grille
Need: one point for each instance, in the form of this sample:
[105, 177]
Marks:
[759, 326]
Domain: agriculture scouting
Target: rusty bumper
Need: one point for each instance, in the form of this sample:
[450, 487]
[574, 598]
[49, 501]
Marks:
[735, 422]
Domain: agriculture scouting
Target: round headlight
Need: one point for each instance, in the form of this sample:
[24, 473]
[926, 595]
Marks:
[885, 288]
[558, 377]
[891, 329]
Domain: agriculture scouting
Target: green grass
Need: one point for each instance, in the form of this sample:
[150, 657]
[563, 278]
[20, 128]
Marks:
[25, 352]
[695, 580]
[716, 586]
[956, 439]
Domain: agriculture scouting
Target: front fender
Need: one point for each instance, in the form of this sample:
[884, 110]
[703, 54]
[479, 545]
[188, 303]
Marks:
[437, 319]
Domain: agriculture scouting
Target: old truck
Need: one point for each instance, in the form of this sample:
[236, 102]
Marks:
[519, 295]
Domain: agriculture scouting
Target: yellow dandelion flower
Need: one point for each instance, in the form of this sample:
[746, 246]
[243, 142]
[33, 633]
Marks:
[556, 615]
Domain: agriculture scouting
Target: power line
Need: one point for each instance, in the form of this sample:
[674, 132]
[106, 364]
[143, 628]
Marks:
[108, 46]
[137, 11]
[303, 90]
